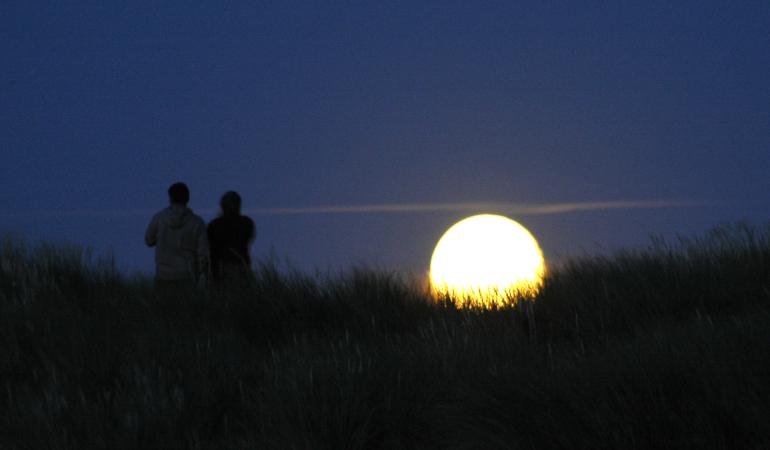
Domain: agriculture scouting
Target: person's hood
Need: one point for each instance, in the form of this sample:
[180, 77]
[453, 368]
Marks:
[177, 217]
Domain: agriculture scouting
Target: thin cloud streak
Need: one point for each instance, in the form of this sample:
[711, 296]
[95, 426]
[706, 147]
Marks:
[523, 209]
[518, 209]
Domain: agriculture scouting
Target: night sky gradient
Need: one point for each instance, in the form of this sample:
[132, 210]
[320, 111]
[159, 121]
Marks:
[351, 103]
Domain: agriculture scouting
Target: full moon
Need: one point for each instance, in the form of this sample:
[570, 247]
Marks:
[483, 259]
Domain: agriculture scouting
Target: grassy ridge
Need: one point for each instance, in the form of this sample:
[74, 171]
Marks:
[664, 347]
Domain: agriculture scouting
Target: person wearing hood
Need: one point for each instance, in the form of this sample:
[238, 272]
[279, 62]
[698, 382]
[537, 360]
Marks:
[179, 238]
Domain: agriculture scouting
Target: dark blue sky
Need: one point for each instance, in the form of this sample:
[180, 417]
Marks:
[294, 104]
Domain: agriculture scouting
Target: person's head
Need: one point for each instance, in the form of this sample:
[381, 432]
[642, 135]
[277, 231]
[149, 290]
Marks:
[230, 203]
[178, 194]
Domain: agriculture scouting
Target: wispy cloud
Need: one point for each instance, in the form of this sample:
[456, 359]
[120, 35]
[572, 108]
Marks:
[522, 209]
[517, 209]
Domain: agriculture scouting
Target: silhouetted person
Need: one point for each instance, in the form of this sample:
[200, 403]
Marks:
[179, 238]
[229, 237]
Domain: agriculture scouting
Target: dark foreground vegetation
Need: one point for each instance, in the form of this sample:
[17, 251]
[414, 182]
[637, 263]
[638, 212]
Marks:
[662, 348]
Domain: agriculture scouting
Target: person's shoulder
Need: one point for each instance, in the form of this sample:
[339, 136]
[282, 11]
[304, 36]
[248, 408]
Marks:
[215, 222]
[160, 214]
[197, 220]
[247, 223]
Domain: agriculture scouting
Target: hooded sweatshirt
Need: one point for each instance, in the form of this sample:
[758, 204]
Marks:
[181, 247]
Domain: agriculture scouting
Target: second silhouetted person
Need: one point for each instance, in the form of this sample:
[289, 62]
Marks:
[229, 237]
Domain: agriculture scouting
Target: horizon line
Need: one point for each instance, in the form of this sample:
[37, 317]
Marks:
[521, 209]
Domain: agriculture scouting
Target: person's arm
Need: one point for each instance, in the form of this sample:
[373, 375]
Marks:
[210, 235]
[252, 231]
[202, 250]
[151, 235]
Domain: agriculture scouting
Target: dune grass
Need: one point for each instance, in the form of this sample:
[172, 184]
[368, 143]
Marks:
[662, 347]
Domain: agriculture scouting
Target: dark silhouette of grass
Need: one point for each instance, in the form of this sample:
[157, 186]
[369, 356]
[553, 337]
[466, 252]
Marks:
[663, 347]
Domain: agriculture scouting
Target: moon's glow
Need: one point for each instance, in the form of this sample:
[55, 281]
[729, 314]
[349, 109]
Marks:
[483, 259]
